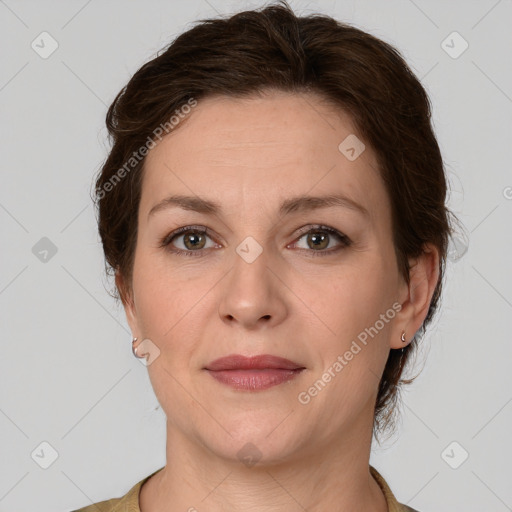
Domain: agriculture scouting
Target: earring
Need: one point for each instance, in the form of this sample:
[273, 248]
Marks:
[134, 349]
[402, 352]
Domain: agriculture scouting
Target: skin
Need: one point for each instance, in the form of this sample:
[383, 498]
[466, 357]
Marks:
[249, 155]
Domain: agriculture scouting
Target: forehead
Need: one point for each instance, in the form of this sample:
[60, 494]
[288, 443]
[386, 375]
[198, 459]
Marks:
[280, 144]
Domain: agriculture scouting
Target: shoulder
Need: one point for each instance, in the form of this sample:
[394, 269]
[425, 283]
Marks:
[392, 502]
[127, 503]
[102, 506]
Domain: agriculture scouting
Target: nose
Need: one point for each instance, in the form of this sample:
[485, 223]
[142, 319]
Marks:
[254, 295]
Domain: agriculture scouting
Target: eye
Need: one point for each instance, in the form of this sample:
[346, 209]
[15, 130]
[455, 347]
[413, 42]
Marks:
[318, 240]
[193, 240]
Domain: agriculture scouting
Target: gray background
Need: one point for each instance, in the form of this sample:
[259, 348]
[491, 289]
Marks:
[68, 377]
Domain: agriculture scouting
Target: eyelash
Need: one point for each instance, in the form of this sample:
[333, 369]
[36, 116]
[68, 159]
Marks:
[166, 241]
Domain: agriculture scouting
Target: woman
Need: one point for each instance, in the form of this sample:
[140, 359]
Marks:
[273, 208]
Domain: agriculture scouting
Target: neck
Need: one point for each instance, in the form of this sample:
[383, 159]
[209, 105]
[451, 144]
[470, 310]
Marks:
[333, 475]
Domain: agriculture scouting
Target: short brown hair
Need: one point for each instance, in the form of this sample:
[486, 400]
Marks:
[272, 48]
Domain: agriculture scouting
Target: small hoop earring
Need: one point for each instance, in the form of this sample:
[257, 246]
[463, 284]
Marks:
[402, 352]
[134, 349]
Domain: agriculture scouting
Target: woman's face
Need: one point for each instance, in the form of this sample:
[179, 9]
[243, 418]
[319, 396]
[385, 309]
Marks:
[266, 280]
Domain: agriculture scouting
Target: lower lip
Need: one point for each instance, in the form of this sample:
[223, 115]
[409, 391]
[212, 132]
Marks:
[254, 380]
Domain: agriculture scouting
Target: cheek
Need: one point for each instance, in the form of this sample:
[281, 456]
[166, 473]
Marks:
[161, 292]
[348, 301]
[353, 345]
[172, 308]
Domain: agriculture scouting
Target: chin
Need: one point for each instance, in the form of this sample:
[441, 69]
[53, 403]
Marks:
[255, 443]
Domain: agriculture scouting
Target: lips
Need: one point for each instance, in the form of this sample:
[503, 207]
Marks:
[255, 373]
[260, 362]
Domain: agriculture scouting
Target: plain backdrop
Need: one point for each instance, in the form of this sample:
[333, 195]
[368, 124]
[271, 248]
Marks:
[78, 415]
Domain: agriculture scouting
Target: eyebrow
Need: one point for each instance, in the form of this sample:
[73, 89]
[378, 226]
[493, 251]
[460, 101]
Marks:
[297, 204]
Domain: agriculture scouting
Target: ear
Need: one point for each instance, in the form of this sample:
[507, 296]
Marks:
[126, 296]
[424, 275]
